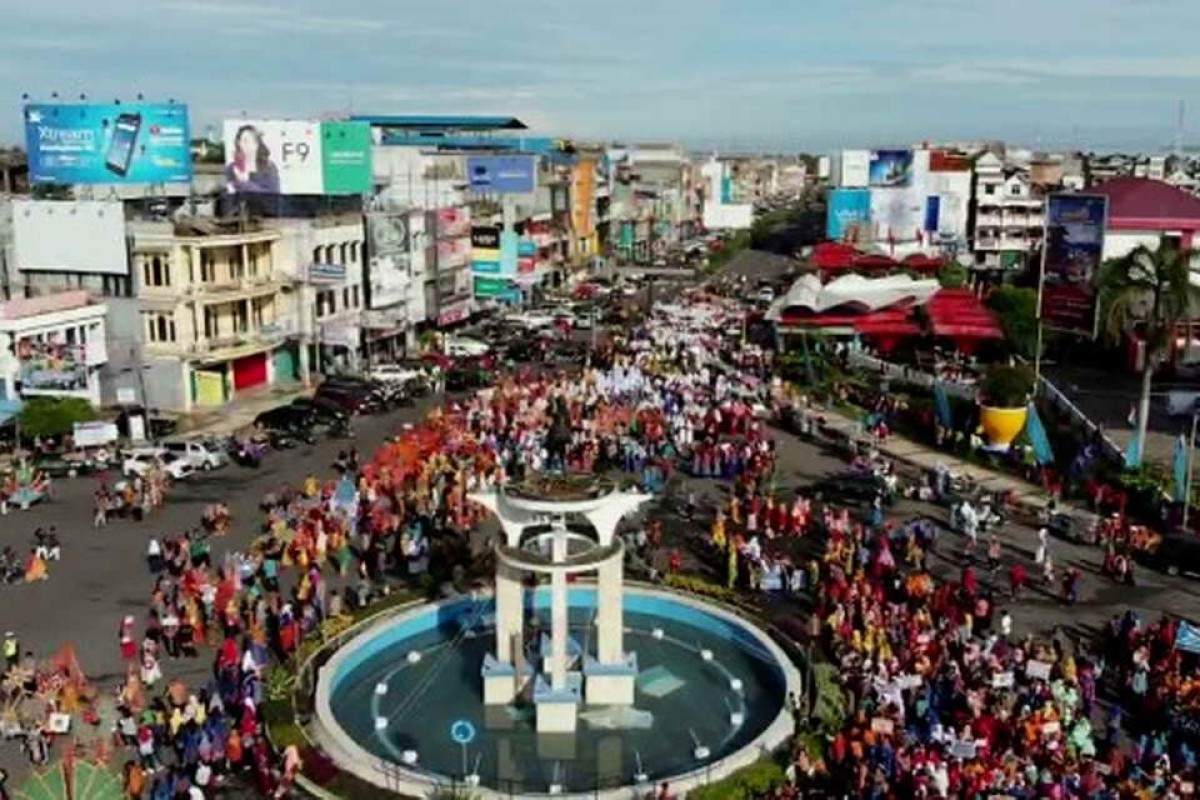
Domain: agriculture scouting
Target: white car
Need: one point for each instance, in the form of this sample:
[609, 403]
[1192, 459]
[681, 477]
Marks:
[462, 347]
[139, 462]
[766, 295]
[394, 374]
[532, 320]
[201, 455]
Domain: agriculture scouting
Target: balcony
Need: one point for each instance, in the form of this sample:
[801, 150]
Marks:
[232, 288]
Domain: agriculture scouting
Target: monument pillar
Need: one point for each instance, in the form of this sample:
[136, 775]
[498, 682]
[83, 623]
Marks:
[611, 675]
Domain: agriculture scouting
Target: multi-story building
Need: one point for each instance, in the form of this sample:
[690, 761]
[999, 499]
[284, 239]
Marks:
[54, 345]
[1008, 215]
[446, 253]
[213, 298]
[654, 201]
[323, 258]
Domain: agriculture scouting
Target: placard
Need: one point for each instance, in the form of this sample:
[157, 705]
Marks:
[963, 750]
[1038, 670]
[882, 725]
[910, 681]
[1002, 680]
[1051, 728]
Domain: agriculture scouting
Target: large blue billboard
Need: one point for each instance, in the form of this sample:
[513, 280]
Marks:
[112, 143]
[849, 211]
[502, 174]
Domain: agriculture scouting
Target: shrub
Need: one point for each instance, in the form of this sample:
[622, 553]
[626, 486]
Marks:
[53, 416]
[749, 782]
[1006, 386]
[702, 587]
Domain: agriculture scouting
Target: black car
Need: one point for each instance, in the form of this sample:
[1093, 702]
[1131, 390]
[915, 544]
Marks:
[852, 489]
[323, 411]
[56, 465]
[1176, 554]
[351, 399]
[353, 382]
[290, 419]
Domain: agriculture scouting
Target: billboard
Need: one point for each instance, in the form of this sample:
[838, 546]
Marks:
[108, 143]
[297, 157]
[890, 168]
[1070, 260]
[848, 216]
[77, 236]
[48, 367]
[389, 257]
[508, 252]
[897, 215]
[856, 168]
[502, 174]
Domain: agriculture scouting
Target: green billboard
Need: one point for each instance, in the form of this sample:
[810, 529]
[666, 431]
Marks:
[491, 286]
[346, 157]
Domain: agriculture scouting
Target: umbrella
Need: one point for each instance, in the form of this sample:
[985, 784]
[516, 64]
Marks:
[79, 781]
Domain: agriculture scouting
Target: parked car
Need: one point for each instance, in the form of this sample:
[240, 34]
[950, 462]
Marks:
[62, 465]
[138, 462]
[461, 346]
[532, 319]
[202, 455]
[322, 411]
[396, 374]
[351, 399]
[289, 419]
[1176, 554]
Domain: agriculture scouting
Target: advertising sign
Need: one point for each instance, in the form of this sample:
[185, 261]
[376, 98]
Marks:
[856, 168]
[297, 157]
[1073, 249]
[90, 144]
[453, 221]
[526, 266]
[897, 215]
[502, 174]
[526, 248]
[485, 237]
[491, 286]
[848, 216]
[51, 367]
[933, 207]
[890, 168]
[508, 252]
[78, 236]
[389, 258]
[346, 157]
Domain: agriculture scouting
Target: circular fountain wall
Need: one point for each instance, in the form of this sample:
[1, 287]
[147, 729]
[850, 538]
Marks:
[710, 697]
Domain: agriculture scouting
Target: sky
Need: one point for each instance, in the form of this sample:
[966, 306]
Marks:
[730, 74]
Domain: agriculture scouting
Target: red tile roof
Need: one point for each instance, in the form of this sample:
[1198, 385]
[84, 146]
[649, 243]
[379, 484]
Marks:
[1146, 203]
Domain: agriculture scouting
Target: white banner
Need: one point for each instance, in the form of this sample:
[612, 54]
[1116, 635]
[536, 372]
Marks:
[273, 157]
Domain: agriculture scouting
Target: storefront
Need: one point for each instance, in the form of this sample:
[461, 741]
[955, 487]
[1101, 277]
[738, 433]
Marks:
[456, 312]
[250, 372]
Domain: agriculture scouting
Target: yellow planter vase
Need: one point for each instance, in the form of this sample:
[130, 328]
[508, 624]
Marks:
[1001, 425]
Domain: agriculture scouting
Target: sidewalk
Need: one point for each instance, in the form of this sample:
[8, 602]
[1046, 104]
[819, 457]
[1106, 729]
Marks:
[1031, 496]
[241, 412]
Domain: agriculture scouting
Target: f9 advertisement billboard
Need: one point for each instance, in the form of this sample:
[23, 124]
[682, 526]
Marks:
[108, 143]
[848, 215]
[891, 168]
[1071, 259]
[297, 157]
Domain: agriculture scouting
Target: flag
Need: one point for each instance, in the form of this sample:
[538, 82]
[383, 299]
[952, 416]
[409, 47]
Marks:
[1038, 440]
[1188, 638]
[1133, 455]
[942, 404]
[1179, 469]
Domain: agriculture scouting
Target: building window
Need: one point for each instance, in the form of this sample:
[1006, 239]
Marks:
[346, 297]
[989, 189]
[116, 286]
[241, 318]
[212, 323]
[156, 271]
[354, 295]
[159, 326]
[208, 270]
[317, 255]
[326, 302]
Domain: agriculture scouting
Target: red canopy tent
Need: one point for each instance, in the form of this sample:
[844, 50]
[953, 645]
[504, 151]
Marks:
[833, 255]
[958, 315]
[920, 262]
[875, 261]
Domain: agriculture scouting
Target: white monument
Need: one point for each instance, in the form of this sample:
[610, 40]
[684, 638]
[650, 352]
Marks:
[537, 539]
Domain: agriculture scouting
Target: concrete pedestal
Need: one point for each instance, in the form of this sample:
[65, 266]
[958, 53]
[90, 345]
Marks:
[503, 682]
[558, 709]
[610, 684]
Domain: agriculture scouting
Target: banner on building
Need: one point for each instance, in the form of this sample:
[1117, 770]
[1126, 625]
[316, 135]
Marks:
[389, 258]
[848, 215]
[297, 157]
[51, 367]
[891, 168]
[108, 143]
[70, 236]
[502, 174]
[485, 237]
[326, 273]
[856, 169]
[1074, 248]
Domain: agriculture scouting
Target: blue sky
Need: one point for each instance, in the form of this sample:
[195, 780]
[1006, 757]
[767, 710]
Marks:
[816, 74]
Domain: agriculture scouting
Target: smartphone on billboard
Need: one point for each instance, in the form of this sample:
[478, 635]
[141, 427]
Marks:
[120, 149]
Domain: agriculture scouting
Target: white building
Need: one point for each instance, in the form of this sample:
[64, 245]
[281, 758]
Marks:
[323, 258]
[719, 211]
[1009, 217]
[52, 345]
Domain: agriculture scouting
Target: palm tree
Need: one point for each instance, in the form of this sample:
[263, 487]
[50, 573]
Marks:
[1150, 290]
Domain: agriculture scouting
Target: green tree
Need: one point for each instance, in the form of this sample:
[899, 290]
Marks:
[952, 275]
[53, 416]
[1149, 290]
[1015, 308]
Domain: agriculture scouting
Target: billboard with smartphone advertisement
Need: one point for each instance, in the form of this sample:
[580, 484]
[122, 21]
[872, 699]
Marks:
[890, 168]
[502, 174]
[296, 157]
[1074, 248]
[108, 143]
[848, 215]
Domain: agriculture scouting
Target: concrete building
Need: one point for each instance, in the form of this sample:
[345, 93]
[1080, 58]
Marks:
[1147, 212]
[723, 209]
[322, 257]
[1008, 215]
[213, 301]
[654, 203]
[53, 345]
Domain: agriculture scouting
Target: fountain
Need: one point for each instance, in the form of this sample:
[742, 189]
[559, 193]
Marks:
[570, 681]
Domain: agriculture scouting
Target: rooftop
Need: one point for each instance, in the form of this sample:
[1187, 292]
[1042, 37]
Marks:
[450, 122]
[1147, 203]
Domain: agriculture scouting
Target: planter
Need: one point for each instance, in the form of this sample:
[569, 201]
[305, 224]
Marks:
[1001, 425]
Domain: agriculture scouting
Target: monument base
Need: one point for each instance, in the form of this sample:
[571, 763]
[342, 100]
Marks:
[558, 709]
[502, 681]
[610, 684]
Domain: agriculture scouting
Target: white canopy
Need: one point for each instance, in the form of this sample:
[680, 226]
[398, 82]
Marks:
[853, 293]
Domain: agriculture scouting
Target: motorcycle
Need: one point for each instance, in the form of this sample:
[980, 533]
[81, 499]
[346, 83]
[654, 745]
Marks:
[246, 453]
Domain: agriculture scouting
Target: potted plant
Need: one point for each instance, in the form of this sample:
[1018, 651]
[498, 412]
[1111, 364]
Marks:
[1003, 403]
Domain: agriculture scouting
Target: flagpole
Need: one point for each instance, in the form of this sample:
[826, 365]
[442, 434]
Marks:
[1191, 458]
